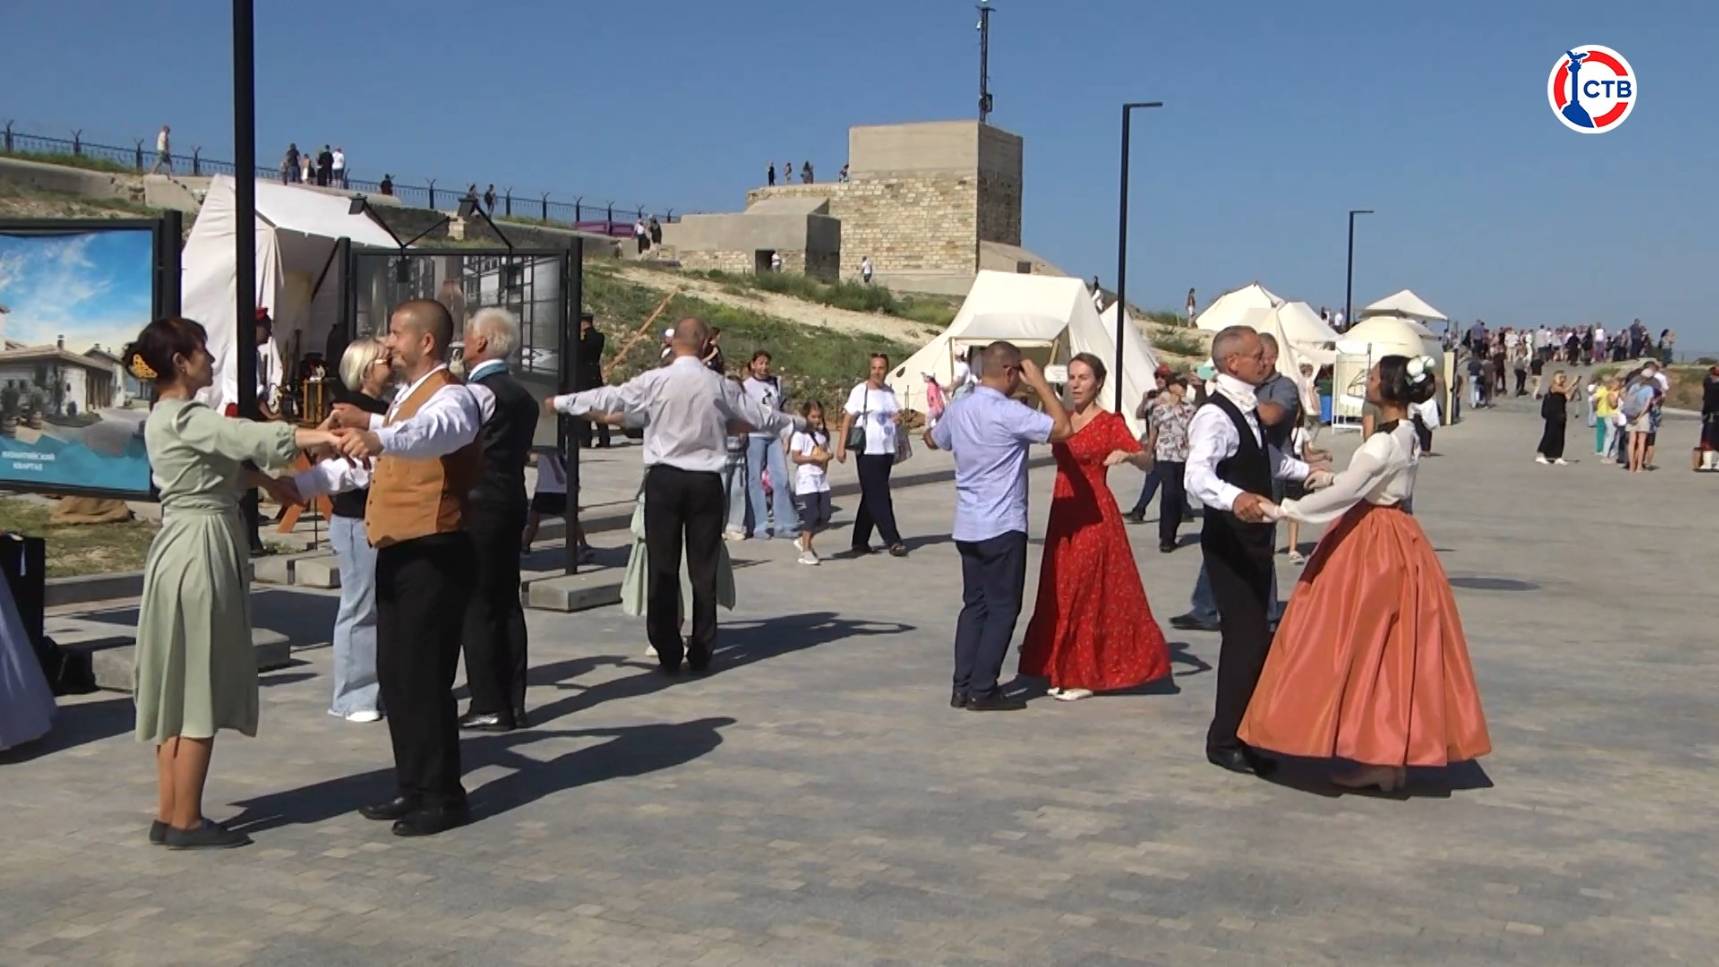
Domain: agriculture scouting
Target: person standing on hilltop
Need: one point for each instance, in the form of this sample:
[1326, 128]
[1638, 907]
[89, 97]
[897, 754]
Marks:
[324, 167]
[770, 175]
[337, 167]
[1192, 304]
[806, 173]
[163, 151]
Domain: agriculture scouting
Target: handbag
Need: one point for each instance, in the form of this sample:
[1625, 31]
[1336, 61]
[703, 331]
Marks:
[856, 432]
[903, 445]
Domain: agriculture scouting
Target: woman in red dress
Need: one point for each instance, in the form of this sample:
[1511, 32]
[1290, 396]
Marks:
[1091, 630]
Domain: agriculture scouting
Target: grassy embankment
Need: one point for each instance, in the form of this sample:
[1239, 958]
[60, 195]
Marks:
[816, 363]
[79, 548]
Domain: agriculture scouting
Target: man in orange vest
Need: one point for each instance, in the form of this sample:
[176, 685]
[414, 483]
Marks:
[419, 461]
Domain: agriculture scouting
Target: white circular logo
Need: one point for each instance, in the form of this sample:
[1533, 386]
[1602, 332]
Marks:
[1592, 89]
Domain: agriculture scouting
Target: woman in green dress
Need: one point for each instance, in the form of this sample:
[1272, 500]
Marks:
[196, 672]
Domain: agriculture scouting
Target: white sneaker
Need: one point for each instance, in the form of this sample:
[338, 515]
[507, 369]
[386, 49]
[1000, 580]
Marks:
[809, 557]
[650, 651]
[364, 717]
[1054, 692]
[1541, 460]
[1072, 694]
[734, 534]
[1561, 462]
[1296, 557]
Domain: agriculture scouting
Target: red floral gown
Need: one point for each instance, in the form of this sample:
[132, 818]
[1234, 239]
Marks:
[1091, 627]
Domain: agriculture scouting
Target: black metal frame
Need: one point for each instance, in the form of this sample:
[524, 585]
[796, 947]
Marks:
[164, 299]
[566, 329]
[1122, 247]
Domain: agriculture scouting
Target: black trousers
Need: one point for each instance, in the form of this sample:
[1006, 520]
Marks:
[877, 507]
[582, 431]
[1174, 501]
[682, 507]
[422, 587]
[1521, 382]
[1240, 570]
[494, 620]
[993, 578]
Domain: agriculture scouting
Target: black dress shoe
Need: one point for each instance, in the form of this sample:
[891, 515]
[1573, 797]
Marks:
[486, 722]
[432, 820]
[519, 719]
[207, 836]
[157, 833]
[1135, 517]
[1166, 548]
[669, 668]
[898, 550]
[1240, 760]
[392, 809]
[994, 702]
[957, 699]
[698, 661]
[1188, 622]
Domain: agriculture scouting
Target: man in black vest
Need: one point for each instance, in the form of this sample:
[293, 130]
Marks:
[495, 518]
[1230, 469]
[589, 375]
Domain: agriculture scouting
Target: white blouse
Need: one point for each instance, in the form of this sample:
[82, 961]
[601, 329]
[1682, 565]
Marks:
[1381, 472]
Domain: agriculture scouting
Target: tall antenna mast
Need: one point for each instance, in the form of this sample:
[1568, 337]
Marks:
[984, 8]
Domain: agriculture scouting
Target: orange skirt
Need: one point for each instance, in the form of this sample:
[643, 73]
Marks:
[1370, 663]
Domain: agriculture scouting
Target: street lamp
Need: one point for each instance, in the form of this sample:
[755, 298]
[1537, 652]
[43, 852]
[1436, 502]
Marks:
[1349, 285]
[1122, 246]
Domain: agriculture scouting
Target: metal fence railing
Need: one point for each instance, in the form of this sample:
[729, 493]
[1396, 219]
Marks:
[603, 217]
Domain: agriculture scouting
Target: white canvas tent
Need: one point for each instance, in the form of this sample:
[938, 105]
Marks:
[1363, 346]
[295, 237]
[1404, 303]
[1228, 309]
[1050, 318]
[1312, 337]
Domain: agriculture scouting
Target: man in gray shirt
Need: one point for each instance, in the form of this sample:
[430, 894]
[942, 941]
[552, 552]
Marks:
[688, 412]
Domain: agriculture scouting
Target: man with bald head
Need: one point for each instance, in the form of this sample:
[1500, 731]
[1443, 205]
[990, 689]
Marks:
[688, 412]
[1231, 465]
[420, 461]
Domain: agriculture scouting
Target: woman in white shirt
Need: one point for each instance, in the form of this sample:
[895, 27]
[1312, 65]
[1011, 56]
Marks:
[1370, 664]
[869, 424]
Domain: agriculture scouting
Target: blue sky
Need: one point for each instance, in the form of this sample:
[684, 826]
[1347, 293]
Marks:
[1279, 118]
[90, 288]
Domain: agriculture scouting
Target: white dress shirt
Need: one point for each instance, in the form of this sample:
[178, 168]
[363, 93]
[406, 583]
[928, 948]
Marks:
[685, 409]
[448, 420]
[1212, 438]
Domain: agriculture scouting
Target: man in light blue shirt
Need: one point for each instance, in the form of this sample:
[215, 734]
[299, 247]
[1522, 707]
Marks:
[989, 433]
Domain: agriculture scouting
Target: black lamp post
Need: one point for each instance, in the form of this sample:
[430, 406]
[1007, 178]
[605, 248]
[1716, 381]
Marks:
[1349, 285]
[1122, 246]
[245, 232]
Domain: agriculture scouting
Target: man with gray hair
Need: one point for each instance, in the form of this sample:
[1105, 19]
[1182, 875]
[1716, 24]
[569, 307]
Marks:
[494, 634]
[688, 413]
[1230, 469]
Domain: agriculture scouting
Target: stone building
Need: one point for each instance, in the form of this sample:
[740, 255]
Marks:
[930, 204]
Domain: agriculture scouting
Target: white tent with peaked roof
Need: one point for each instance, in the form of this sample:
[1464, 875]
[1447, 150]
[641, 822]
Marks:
[1404, 303]
[1227, 309]
[1050, 318]
[295, 240]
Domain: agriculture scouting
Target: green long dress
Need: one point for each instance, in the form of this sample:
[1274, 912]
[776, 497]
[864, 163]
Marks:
[196, 670]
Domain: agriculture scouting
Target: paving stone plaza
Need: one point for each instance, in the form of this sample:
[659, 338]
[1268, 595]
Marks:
[816, 801]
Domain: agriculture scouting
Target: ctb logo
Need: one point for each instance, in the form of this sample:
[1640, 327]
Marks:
[1592, 89]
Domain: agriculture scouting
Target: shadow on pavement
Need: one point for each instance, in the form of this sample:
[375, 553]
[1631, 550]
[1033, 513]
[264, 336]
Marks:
[1314, 776]
[630, 751]
[76, 724]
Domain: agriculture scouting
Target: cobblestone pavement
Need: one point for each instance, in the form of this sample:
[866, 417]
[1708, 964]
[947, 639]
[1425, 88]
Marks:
[815, 801]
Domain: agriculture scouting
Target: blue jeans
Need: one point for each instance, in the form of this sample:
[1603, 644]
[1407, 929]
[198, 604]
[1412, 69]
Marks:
[355, 688]
[765, 453]
[734, 489]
